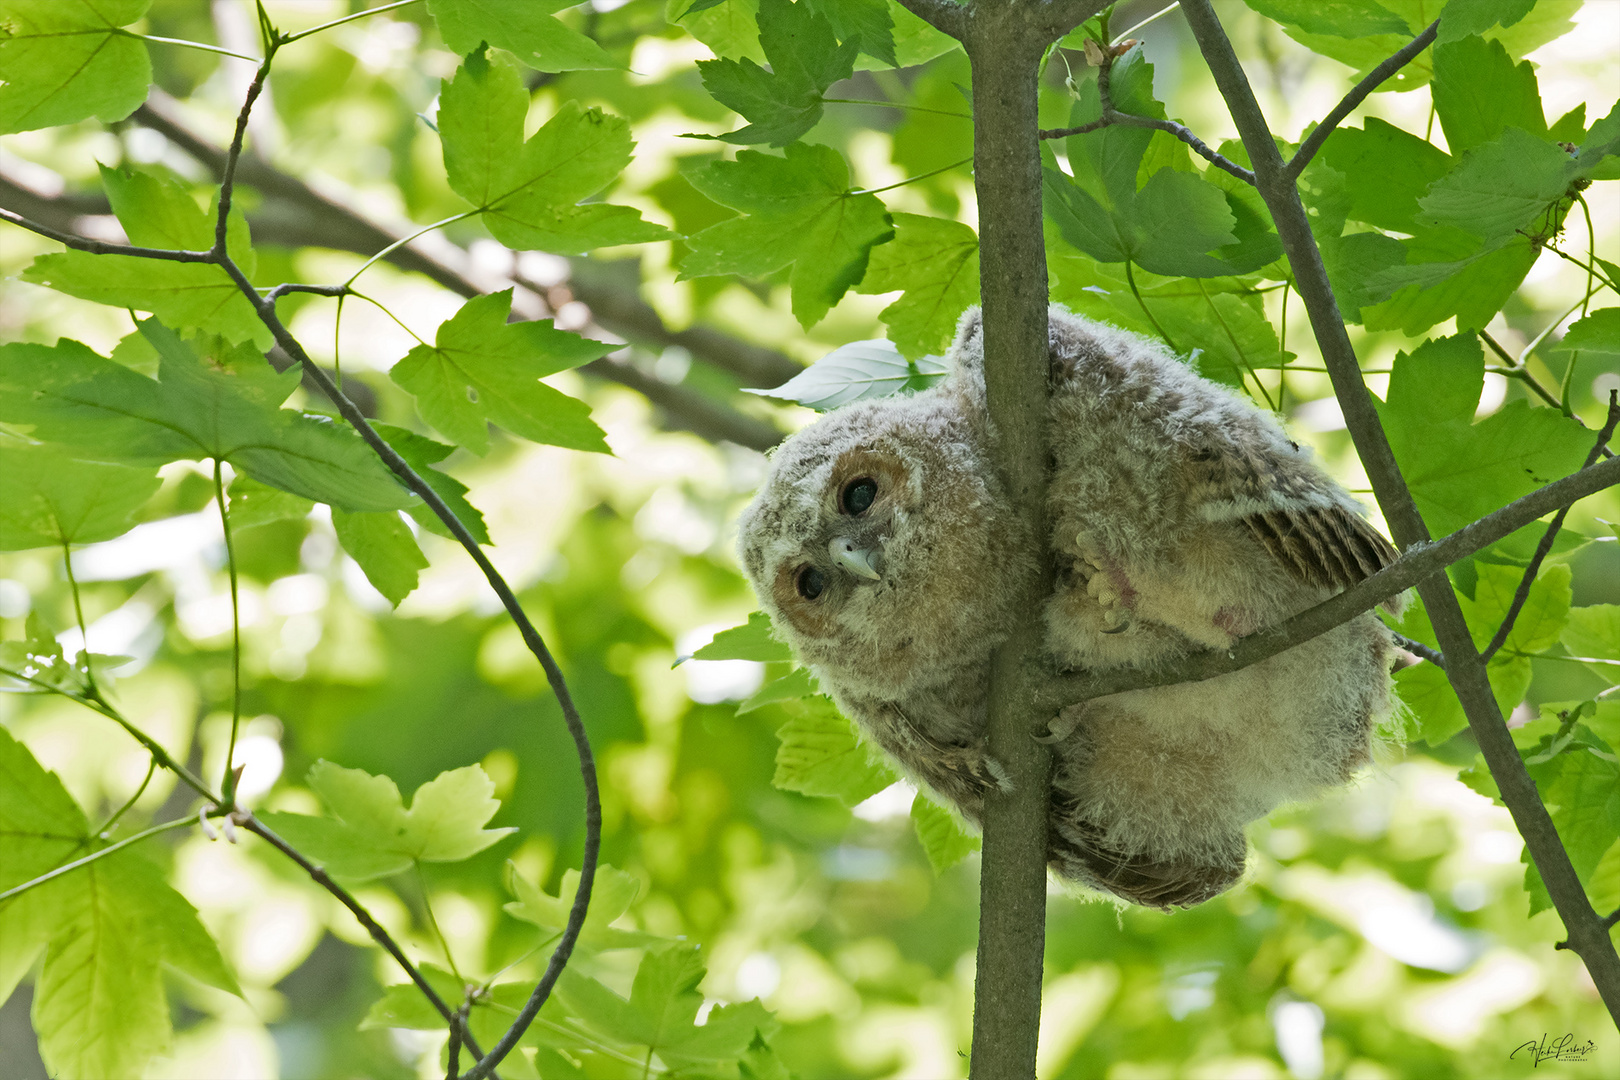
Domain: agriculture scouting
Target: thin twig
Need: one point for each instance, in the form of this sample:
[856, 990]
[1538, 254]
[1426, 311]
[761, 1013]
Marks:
[378, 934]
[1418, 649]
[1522, 593]
[1356, 96]
[266, 311]
[1516, 370]
[99, 247]
[1111, 116]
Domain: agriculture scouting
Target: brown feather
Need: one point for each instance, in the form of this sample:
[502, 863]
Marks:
[1077, 850]
[1326, 546]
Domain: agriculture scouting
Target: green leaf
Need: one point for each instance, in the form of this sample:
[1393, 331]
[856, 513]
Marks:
[422, 454]
[784, 103]
[1542, 618]
[1449, 274]
[530, 191]
[253, 504]
[865, 22]
[384, 547]
[1463, 17]
[728, 27]
[1598, 333]
[1579, 787]
[1386, 170]
[612, 893]
[798, 683]
[1425, 690]
[936, 262]
[160, 213]
[483, 368]
[107, 928]
[820, 754]
[1458, 470]
[800, 211]
[48, 500]
[527, 30]
[944, 840]
[62, 61]
[750, 641]
[372, 834]
[1340, 18]
[1479, 92]
[1594, 631]
[660, 1013]
[226, 408]
[1122, 205]
[403, 1005]
[859, 371]
[41, 827]
[1500, 187]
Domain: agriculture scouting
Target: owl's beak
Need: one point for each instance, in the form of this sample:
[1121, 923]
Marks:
[859, 561]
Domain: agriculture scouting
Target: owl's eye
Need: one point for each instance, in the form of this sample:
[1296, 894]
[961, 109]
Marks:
[810, 582]
[858, 496]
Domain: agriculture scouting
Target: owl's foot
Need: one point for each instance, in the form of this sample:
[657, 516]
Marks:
[1107, 584]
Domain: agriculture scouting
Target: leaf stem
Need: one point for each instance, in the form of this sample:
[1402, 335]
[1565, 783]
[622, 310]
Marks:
[204, 46]
[896, 105]
[228, 784]
[380, 307]
[432, 920]
[1130, 279]
[151, 769]
[102, 853]
[402, 241]
[290, 38]
[914, 179]
[1243, 361]
[78, 613]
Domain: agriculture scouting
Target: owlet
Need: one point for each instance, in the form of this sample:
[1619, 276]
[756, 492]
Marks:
[884, 548]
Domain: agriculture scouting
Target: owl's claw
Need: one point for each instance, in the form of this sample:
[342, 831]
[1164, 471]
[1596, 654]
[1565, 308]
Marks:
[1120, 629]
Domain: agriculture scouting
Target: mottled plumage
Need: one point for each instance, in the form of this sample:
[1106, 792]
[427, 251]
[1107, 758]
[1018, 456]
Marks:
[1181, 517]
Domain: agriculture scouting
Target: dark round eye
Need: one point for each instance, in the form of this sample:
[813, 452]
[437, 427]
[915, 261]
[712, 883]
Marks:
[810, 582]
[858, 496]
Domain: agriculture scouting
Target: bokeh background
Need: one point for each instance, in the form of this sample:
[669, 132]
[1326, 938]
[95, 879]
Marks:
[1382, 933]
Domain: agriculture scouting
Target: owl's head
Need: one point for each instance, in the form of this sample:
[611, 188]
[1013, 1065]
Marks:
[882, 545]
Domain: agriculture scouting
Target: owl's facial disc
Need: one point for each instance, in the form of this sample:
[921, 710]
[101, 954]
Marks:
[862, 562]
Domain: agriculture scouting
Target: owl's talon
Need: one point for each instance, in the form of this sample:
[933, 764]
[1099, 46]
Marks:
[1120, 629]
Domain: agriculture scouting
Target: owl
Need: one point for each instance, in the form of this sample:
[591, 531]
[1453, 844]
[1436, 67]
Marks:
[886, 551]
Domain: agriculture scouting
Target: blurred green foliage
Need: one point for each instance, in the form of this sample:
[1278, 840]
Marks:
[772, 903]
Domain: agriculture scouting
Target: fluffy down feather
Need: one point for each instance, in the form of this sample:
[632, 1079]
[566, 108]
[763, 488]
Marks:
[1181, 516]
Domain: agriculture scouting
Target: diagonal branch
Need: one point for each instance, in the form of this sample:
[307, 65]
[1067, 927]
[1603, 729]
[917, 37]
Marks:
[1111, 116]
[1418, 563]
[1358, 94]
[1522, 593]
[1588, 937]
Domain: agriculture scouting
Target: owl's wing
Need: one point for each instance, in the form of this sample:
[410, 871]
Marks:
[1297, 513]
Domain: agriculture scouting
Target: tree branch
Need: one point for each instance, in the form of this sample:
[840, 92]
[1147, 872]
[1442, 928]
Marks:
[1358, 94]
[1588, 936]
[265, 308]
[1418, 563]
[1418, 649]
[1522, 593]
[1005, 43]
[99, 247]
[1111, 116]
